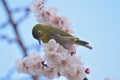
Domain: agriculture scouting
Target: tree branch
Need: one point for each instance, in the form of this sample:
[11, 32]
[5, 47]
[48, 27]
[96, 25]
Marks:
[15, 25]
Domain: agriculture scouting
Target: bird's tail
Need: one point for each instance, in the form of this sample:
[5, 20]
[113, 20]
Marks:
[83, 43]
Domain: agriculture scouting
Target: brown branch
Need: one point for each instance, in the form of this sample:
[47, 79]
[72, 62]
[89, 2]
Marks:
[14, 25]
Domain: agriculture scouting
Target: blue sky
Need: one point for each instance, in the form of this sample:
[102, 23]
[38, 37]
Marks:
[96, 21]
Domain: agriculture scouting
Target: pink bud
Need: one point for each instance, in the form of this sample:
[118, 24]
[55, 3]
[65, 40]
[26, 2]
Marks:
[87, 71]
[72, 53]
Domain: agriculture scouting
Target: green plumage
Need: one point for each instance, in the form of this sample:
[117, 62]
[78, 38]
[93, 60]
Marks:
[46, 32]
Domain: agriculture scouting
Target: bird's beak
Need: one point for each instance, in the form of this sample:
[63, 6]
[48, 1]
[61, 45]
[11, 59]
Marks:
[39, 42]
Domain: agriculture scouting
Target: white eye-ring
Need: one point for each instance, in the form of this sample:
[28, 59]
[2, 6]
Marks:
[39, 32]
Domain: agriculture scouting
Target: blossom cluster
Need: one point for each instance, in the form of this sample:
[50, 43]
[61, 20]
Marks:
[56, 62]
[49, 16]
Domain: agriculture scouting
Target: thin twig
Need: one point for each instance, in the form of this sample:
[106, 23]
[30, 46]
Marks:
[7, 38]
[24, 16]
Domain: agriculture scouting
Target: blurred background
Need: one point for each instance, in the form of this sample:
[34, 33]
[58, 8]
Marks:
[96, 21]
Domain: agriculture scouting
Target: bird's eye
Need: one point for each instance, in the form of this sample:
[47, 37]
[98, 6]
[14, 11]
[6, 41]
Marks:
[39, 33]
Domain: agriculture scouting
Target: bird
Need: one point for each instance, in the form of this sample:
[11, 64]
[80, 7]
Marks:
[44, 33]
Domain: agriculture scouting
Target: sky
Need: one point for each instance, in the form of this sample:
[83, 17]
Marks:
[96, 21]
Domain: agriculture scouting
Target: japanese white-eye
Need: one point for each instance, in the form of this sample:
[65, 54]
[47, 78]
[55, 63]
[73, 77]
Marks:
[46, 32]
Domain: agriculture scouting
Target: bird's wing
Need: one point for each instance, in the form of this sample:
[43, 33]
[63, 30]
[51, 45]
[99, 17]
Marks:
[58, 31]
[62, 36]
[55, 32]
[65, 41]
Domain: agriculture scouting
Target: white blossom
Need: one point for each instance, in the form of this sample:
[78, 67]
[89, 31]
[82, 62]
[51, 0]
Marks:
[80, 74]
[20, 66]
[37, 6]
[50, 73]
[51, 46]
[30, 64]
